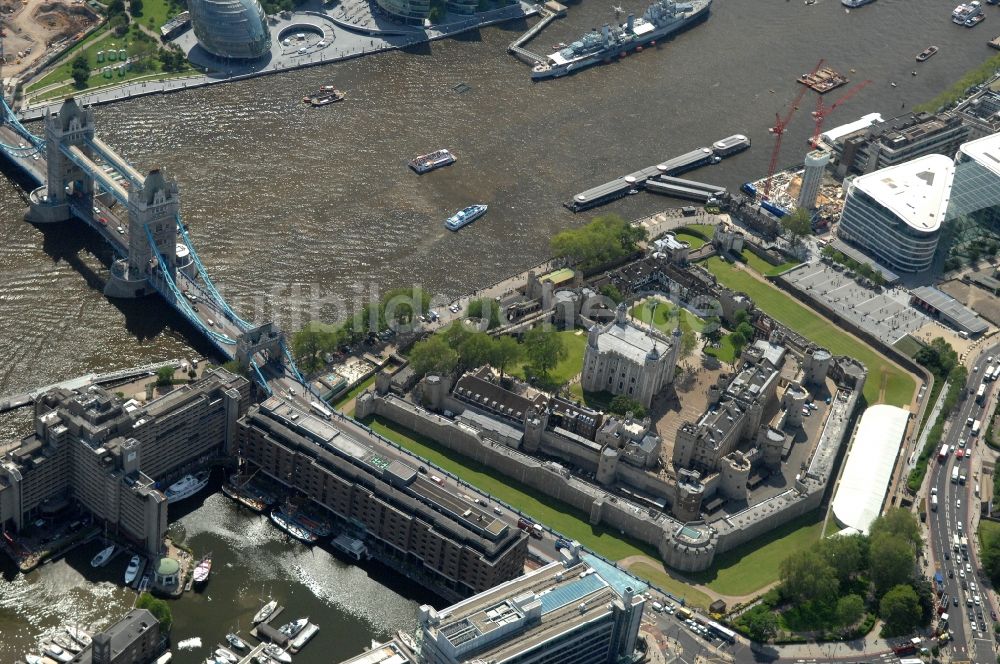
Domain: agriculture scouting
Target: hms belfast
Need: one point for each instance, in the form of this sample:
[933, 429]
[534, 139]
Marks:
[662, 18]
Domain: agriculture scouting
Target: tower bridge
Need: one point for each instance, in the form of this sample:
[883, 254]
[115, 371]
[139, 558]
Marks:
[71, 173]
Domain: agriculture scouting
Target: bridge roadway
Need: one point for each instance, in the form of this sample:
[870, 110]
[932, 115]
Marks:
[34, 169]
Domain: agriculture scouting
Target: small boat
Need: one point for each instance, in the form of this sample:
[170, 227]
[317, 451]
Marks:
[33, 659]
[276, 653]
[66, 643]
[56, 653]
[133, 569]
[293, 628]
[325, 98]
[428, 162]
[227, 655]
[202, 570]
[236, 642]
[103, 557]
[465, 217]
[284, 522]
[79, 635]
[265, 612]
[186, 487]
[973, 21]
[926, 53]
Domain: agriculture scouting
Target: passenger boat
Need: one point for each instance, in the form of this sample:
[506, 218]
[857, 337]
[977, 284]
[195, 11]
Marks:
[854, 4]
[186, 487]
[975, 20]
[236, 642]
[465, 217]
[963, 12]
[926, 53]
[293, 628]
[426, 163]
[283, 521]
[265, 612]
[326, 97]
[133, 569]
[202, 570]
[103, 557]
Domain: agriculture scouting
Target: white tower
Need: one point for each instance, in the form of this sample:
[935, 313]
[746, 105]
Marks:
[812, 177]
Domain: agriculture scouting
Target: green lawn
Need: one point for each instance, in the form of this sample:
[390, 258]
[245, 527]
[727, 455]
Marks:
[695, 241]
[887, 382]
[354, 391]
[707, 230]
[666, 316]
[988, 532]
[726, 352]
[575, 342]
[751, 566]
[596, 400]
[765, 268]
[89, 46]
[908, 346]
[156, 12]
[692, 596]
[561, 517]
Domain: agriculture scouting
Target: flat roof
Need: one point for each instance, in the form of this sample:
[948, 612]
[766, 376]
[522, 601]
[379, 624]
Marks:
[869, 466]
[831, 135]
[916, 191]
[986, 151]
[951, 310]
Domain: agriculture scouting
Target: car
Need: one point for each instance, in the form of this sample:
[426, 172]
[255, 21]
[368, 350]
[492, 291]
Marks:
[498, 511]
[102, 221]
[321, 44]
[982, 626]
[975, 369]
[97, 210]
[958, 504]
[121, 230]
[934, 491]
[961, 573]
[951, 574]
[302, 50]
[951, 449]
[954, 601]
[968, 568]
[965, 586]
[422, 469]
[827, 401]
[976, 600]
[947, 555]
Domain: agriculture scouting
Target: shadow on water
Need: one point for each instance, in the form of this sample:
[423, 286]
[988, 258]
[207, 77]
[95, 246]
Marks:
[469, 36]
[423, 48]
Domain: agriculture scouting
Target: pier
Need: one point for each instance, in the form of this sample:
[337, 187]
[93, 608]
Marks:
[664, 173]
[687, 189]
[549, 12]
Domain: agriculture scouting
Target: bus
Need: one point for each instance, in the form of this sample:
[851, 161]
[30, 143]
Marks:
[722, 632]
[320, 410]
[943, 454]
[981, 393]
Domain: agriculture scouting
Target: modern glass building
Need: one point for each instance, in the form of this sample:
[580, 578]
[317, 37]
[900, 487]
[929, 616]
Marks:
[895, 214]
[406, 11]
[977, 177]
[231, 29]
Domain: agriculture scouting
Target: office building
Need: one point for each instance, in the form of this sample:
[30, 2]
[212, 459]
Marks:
[580, 610]
[406, 11]
[898, 140]
[812, 178]
[94, 448]
[622, 359]
[976, 185]
[421, 524]
[135, 639]
[231, 29]
[895, 214]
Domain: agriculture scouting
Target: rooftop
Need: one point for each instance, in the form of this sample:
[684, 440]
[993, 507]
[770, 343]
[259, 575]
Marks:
[630, 342]
[869, 466]
[831, 135]
[986, 151]
[951, 309]
[916, 191]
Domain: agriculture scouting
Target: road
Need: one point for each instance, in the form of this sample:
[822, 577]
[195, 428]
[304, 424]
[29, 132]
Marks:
[969, 608]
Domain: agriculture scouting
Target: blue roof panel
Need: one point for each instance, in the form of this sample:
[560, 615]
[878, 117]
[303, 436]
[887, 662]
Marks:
[571, 592]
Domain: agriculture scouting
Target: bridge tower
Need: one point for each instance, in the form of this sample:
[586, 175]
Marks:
[152, 212]
[72, 126]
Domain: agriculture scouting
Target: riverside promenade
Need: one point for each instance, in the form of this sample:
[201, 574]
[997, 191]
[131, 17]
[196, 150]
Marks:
[342, 34]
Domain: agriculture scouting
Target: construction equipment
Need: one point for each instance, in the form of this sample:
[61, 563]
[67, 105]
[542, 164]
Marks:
[822, 110]
[780, 124]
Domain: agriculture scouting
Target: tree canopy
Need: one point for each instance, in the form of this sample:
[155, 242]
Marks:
[487, 310]
[606, 238]
[159, 608]
[544, 348]
[798, 224]
[433, 355]
[900, 609]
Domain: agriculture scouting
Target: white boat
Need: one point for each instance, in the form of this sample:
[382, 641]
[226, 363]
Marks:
[276, 653]
[465, 216]
[265, 612]
[133, 569]
[186, 487]
[33, 659]
[294, 627]
[79, 635]
[236, 642]
[226, 654]
[66, 643]
[103, 557]
[56, 653]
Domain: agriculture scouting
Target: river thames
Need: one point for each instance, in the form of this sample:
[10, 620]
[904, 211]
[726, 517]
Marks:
[299, 211]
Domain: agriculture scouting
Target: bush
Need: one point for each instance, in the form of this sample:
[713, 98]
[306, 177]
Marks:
[159, 609]
[165, 376]
[622, 405]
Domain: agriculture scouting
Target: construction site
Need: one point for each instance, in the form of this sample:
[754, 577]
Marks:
[32, 29]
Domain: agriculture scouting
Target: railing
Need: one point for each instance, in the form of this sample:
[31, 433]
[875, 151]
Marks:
[220, 301]
[260, 377]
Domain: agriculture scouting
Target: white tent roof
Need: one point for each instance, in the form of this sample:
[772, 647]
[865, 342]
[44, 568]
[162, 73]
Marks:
[869, 466]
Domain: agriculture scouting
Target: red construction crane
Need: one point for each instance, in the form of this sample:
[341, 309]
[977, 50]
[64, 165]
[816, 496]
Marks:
[780, 124]
[822, 110]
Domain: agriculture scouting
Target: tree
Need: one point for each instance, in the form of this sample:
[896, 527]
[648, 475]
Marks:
[165, 376]
[80, 71]
[900, 609]
[475, 351]
[899, 523]
[623, 405]
[544, 348]
[844, 555]
[159, 608]
[455, 334]
[135, 7]
[806, 576]
[850, 609]
[505, 352]
[891, 562]
[311, 342]
[606, 238]
[433, 355]
[485, 309]
[689, 341]
[761, 625]
[611, 292]
[798, 224]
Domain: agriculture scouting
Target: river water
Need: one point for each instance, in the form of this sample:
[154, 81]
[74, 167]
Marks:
[300, 212]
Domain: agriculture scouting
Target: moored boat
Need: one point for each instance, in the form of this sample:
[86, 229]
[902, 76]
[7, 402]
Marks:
[974, 20]
[186, 487]
[56, 653]
[102, 557]
[78, 635]
[293, 628]
[66, 643]
[465, 216]
[926, 53]
[235, 641]
[265, 612]
[432, 160]
[202, 570]
[31, 658]
[276, 653]
[284, 522]
[227, 655]
[133, 569]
